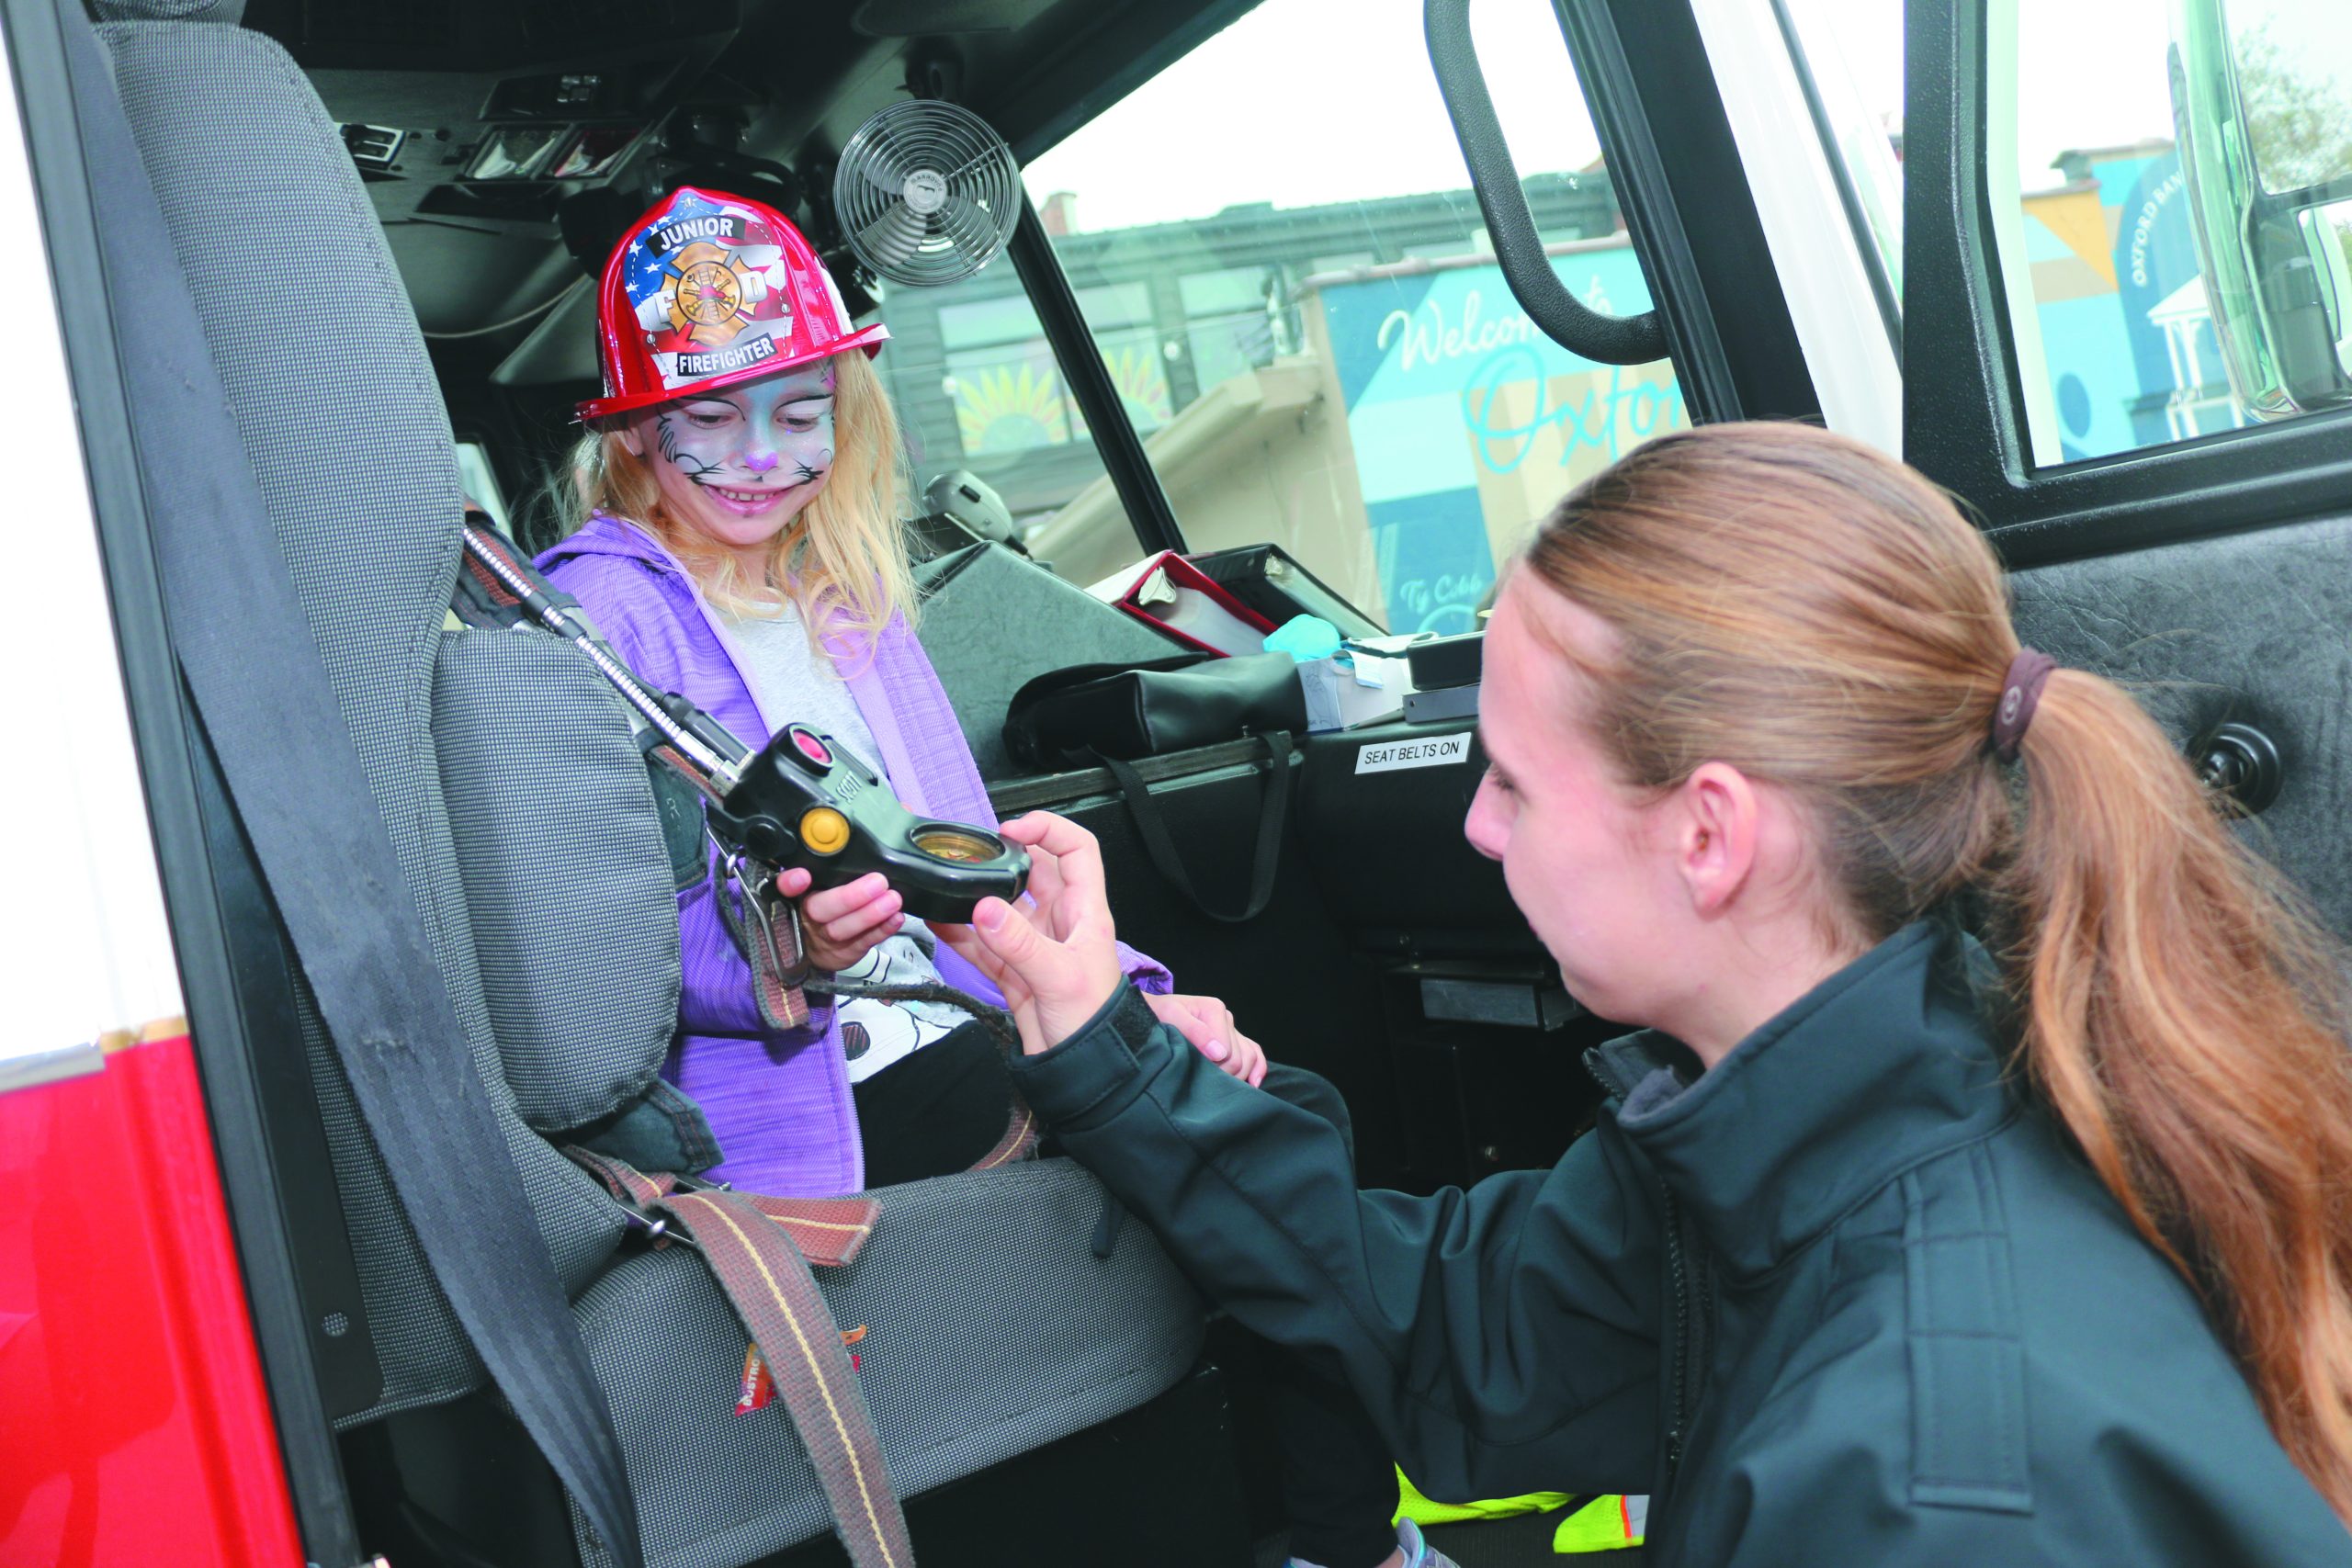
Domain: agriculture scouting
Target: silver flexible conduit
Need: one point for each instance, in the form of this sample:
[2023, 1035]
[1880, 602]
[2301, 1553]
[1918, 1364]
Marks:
[722, 771]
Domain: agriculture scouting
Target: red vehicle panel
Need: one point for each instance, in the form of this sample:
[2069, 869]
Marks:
[134, 1427]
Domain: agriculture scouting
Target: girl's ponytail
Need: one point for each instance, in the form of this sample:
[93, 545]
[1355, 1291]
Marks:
[2181, 1012]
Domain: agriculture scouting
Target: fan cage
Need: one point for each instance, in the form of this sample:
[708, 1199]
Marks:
[913, 228]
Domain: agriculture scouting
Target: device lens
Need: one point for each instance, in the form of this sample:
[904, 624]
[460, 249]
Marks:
[956, 843]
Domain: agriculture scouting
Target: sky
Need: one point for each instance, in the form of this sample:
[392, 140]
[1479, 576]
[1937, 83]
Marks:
[1286, 107]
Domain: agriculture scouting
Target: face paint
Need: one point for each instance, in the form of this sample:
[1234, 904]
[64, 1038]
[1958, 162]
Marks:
[739, 465]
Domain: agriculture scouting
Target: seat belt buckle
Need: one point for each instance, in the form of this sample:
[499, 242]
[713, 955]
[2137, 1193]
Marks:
[653, 1232]
[768, 929]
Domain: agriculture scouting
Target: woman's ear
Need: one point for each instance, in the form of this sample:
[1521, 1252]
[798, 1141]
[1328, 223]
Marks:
[1716, 830]
[633, 438]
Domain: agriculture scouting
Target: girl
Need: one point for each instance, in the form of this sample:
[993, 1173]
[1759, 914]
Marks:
[1889, 1247]
[738, 543]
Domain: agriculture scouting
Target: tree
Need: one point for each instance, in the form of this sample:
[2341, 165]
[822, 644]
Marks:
[2301, 123]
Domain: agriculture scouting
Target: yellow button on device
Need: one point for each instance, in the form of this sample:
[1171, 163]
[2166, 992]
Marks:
[824, 829]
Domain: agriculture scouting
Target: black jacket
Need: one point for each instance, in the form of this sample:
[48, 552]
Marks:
[1845, 1299]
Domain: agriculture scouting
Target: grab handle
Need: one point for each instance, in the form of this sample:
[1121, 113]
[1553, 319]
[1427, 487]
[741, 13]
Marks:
[1567, 320]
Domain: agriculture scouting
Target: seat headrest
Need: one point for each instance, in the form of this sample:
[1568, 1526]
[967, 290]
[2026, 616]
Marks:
[228, 12]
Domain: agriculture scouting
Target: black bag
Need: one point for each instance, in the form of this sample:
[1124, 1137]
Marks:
[1103, 715]
[1074, 717]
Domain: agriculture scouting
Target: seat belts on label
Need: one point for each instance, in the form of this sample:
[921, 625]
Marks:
[262, 692]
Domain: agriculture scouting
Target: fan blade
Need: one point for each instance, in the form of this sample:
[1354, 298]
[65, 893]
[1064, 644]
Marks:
[891, 238]
[993, 151]
[973, 228]
[880, 167]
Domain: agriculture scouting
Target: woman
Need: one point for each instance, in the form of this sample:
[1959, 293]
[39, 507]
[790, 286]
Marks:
[738, 542]
[1888, 1247]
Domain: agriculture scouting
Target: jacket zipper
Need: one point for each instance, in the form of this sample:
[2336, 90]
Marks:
[1678, 1268]
[1686, 1256]
[1687, 1271]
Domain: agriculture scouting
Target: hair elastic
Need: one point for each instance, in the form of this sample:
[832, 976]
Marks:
[2020, 694]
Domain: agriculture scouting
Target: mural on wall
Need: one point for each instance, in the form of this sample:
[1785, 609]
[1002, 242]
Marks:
[1520, 420]
[2125, 330]
[1009, 408]
[1142, 386]
[1018, 405]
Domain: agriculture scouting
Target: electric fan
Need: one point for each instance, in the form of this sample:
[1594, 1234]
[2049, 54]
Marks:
[926, 192]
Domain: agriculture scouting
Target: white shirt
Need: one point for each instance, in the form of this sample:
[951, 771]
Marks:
[795, 681]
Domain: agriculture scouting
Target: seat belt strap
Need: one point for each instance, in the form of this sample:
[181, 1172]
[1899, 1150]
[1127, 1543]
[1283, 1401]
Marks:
[622, 1180]
[1020, 1140]
[759, 1250]
[766, 928]
[269, 711]
[767, 1281]
[828, 1231]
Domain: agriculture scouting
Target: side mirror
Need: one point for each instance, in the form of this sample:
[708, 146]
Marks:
[2262, 110]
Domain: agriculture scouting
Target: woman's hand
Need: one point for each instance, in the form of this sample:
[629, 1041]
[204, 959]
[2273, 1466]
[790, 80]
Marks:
[1057, 961]
[1209, 1024]
[841, 925]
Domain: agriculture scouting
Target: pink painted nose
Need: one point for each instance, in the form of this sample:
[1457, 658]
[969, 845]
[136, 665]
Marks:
[761, 462]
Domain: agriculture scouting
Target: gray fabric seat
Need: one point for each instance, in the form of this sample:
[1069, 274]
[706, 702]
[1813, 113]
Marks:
[1011, 1337]
[362, 490]
[992, 1325]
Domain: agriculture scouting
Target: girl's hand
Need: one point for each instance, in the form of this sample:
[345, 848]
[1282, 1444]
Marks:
[841, 925]
[1057, 961]
[1209, 1024]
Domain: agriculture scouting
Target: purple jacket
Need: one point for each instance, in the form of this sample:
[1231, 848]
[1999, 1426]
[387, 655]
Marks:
[779, 1103]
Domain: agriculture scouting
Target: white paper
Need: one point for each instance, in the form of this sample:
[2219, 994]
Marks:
[1186, 610]
[1202, 619]
[1319, 681]
[1113, 588]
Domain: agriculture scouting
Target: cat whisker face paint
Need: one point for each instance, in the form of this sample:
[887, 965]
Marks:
[740, 464]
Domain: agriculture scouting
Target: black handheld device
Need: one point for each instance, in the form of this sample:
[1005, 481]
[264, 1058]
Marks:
[803, 800]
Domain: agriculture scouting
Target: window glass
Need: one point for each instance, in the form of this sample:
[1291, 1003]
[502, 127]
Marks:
[977, 389]
[1121, 315]
[1301, 310]
[1852, 54]
[2169, 184]
[987, 322]
[2294, 72]
[480, 481]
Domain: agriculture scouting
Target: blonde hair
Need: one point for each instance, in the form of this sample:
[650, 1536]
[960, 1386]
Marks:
[1819, 617]
[842, 561]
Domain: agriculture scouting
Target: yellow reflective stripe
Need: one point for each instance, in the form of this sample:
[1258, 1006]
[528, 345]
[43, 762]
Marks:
[1413, 1503]
[1609, 1523]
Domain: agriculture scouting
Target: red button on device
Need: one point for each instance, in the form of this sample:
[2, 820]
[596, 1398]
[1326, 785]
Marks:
[812, 747]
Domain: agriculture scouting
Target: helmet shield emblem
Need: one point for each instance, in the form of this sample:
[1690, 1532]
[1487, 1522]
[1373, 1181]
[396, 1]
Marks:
[709, 290]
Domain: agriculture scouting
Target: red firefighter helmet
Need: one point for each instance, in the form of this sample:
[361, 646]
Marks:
[708, 291]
